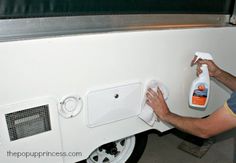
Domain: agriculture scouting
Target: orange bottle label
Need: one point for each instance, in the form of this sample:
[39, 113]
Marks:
[199, 100]
[199, 96]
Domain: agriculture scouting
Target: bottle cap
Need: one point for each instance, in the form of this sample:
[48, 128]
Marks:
[203, 55]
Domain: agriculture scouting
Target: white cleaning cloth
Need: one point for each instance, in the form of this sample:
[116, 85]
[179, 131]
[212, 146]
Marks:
[147, 114]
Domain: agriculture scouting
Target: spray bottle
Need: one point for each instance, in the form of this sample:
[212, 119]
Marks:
[200, 89]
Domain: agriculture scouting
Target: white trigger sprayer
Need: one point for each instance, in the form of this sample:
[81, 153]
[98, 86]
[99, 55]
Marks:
[200, 89]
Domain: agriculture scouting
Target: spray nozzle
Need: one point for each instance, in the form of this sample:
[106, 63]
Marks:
[202, 55]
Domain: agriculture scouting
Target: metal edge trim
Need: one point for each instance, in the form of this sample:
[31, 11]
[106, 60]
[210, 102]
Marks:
[30, 28]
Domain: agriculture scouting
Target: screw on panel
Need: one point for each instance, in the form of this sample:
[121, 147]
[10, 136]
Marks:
[116, 96]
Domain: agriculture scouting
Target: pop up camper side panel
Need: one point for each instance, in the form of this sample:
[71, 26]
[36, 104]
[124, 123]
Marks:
[78, 64]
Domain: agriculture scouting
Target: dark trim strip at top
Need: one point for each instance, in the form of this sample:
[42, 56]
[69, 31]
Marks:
[54, 8]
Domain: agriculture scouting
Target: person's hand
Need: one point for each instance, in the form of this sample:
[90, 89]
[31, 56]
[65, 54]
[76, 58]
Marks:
[157, 102]
[213, 69]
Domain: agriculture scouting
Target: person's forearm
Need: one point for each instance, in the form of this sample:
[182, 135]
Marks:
[227, 79]
[189, 125]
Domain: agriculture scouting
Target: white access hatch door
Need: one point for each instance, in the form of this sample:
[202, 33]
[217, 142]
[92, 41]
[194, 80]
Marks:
[114, 103]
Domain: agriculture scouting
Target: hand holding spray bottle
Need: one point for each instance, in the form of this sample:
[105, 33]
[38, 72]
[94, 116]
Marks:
[200, 89]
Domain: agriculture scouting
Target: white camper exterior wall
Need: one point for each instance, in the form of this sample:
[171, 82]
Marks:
[70, 65]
